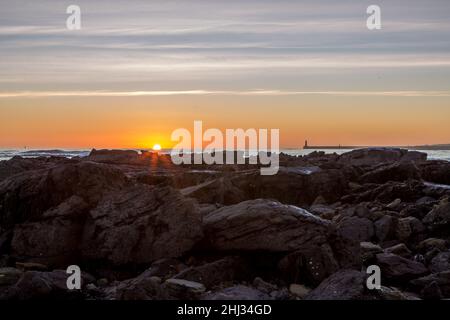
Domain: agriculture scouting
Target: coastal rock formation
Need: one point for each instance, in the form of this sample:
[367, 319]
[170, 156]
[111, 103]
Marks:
[264, 225]
[140, 224]
[142, 228]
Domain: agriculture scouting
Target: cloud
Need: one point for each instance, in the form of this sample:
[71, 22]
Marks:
[48, 94]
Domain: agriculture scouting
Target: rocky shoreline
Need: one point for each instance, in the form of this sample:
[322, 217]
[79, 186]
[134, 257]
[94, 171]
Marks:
[142, 228]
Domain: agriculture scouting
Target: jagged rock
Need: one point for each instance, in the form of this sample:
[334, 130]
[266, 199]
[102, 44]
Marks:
[385, 228]
[214, 273]
[264, 225]
[374, 156]
[299, 290]
[398, 171]
[141, 224]
[439, 217]
[397, 268]
[437, 171]
[369, 250]
[146, 286]
[408, 227]
[264, 286]
[182, 289]
[113, 156]
[55, 239]
[343, 285]
[309, 265]
[27, 196]
[441, 262]
[442, 279]
[45, 285]
[9, 276]
[355, 228]
[432, 243]
[220, 190]
[238, 292]
[399, 249]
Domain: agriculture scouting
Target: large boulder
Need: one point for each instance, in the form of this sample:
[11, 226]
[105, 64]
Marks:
[55, 239]
[220, 190]
[375, 156]
[28, 195]
[140, 224]
[113, 156]
[264, 225]
[442, 279]
[397, 269]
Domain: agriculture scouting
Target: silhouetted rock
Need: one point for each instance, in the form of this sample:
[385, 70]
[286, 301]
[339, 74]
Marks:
[140, 224]
[343, 285]
[285, 227]
[375, 156]
[397, 268]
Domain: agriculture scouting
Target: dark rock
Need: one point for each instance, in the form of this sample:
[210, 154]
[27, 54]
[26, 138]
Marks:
[442, 279]
[264, 225]
[374, 156]
[180, 289]
[214, 273]
[27, 196]
[354, 228]
[238, 292]
[437, 171]
[343, 285]
[400, 250]
[432, 291]
[441, 262]
[385, 228]
[45, 285]
[409, 227]
[141, 224]
[397, 268]
[369, 250]
[439, 217]
[398, 171]
[143, 287]
[220, 190]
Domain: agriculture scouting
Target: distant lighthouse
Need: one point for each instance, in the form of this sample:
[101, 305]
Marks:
[306, 144]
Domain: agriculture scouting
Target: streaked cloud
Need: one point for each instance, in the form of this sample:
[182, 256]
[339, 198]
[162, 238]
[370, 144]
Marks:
[47, 94]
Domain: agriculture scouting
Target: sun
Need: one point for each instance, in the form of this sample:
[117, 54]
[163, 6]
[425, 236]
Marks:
[156, 147]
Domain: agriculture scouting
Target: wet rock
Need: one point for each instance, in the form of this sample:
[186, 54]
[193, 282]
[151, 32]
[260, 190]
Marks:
[238, 292]
[141, 224]
[397, 268]
[264, 225]
[343, 285]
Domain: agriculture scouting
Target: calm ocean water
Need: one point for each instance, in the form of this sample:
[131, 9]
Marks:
[8, 154]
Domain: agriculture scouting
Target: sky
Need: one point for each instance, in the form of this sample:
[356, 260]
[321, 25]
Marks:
[137, 70]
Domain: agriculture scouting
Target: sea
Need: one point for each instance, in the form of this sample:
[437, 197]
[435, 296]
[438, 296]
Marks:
[6, 154]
